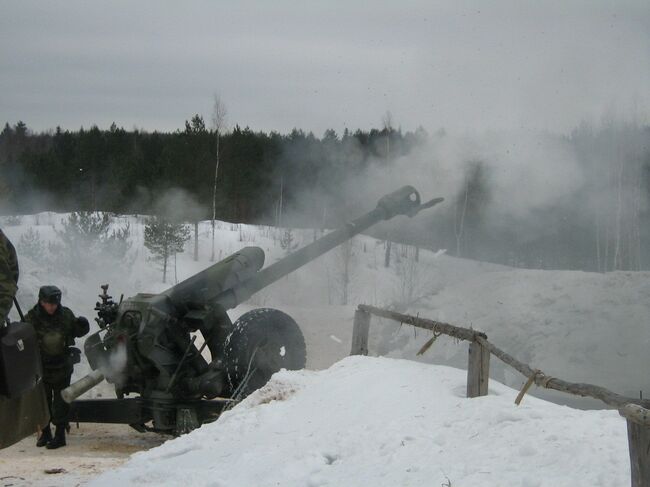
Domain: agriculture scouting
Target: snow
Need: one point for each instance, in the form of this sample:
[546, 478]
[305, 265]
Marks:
[579, 326]
[387, 422]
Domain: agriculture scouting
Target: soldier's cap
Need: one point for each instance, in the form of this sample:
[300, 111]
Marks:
[49, 294]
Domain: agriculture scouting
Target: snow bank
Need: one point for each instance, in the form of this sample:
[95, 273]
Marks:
[579, 326]
[386, 422]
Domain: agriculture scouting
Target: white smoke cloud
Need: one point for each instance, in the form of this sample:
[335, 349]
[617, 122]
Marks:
[114, 369]
[526, 171]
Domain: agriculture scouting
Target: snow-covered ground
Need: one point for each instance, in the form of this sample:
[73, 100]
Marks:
[578, 326]
[386, 422]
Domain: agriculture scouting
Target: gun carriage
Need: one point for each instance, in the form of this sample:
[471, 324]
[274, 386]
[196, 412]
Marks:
[147, 344]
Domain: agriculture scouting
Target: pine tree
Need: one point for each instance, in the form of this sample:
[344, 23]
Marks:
[164, 239]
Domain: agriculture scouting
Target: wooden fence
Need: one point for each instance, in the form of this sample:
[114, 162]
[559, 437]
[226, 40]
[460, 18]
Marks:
[635, 411]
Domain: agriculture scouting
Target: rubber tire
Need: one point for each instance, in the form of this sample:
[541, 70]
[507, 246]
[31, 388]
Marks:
[267, 330]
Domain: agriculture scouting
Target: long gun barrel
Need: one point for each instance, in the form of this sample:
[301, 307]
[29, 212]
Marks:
[404, 201]
[205, 286]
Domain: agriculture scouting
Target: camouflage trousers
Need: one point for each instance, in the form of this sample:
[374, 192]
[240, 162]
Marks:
[59, 409]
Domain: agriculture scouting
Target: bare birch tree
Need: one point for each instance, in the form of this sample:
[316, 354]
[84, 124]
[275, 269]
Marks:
[387, 122]
[279, 207]
[219, 114]
[345, 268]
[618, 218]
[459, 218]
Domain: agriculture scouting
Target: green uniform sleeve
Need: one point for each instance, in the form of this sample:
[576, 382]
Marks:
[81, 326]
[30, 317]
[76, 327]
[8, 275]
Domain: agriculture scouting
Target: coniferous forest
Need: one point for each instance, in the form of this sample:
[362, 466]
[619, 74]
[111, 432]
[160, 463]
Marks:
[299, 179]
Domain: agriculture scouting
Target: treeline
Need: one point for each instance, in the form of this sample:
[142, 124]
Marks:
[128, 171]
[602, 224]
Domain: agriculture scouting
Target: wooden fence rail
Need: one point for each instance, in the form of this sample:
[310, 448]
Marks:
[635, 411]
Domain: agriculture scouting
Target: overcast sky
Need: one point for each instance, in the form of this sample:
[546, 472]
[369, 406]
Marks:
[318, 65]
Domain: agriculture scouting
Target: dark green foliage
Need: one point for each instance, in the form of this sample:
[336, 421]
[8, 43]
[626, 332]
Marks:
[129, 171]
[84, 226]
[87, 240]
[118, 243]
[287, 241]
[31, 245]
[164, 238]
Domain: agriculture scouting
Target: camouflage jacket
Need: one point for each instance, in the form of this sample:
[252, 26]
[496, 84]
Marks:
[55, 334]
[8, 275]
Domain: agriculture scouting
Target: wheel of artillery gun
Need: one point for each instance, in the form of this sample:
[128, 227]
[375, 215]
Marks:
[262, 342]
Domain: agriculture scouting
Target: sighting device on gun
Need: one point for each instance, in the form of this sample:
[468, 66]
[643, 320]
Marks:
[147, 344]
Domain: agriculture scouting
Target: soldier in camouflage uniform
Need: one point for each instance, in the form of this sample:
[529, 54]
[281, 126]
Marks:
[19, 416]
[56, 327]
[8, 275]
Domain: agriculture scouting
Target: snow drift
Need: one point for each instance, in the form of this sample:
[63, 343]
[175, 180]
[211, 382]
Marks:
[386, 422]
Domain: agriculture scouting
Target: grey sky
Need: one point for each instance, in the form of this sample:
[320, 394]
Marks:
[317, 65]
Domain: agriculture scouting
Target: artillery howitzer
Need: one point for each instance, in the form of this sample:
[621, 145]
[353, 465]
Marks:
[146, 343]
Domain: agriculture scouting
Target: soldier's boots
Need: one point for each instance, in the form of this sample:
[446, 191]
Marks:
[59, 438]
[45, 436]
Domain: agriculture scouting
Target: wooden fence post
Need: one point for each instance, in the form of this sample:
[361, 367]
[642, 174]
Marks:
[638, 437]
[478, 370]
[360, 333]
